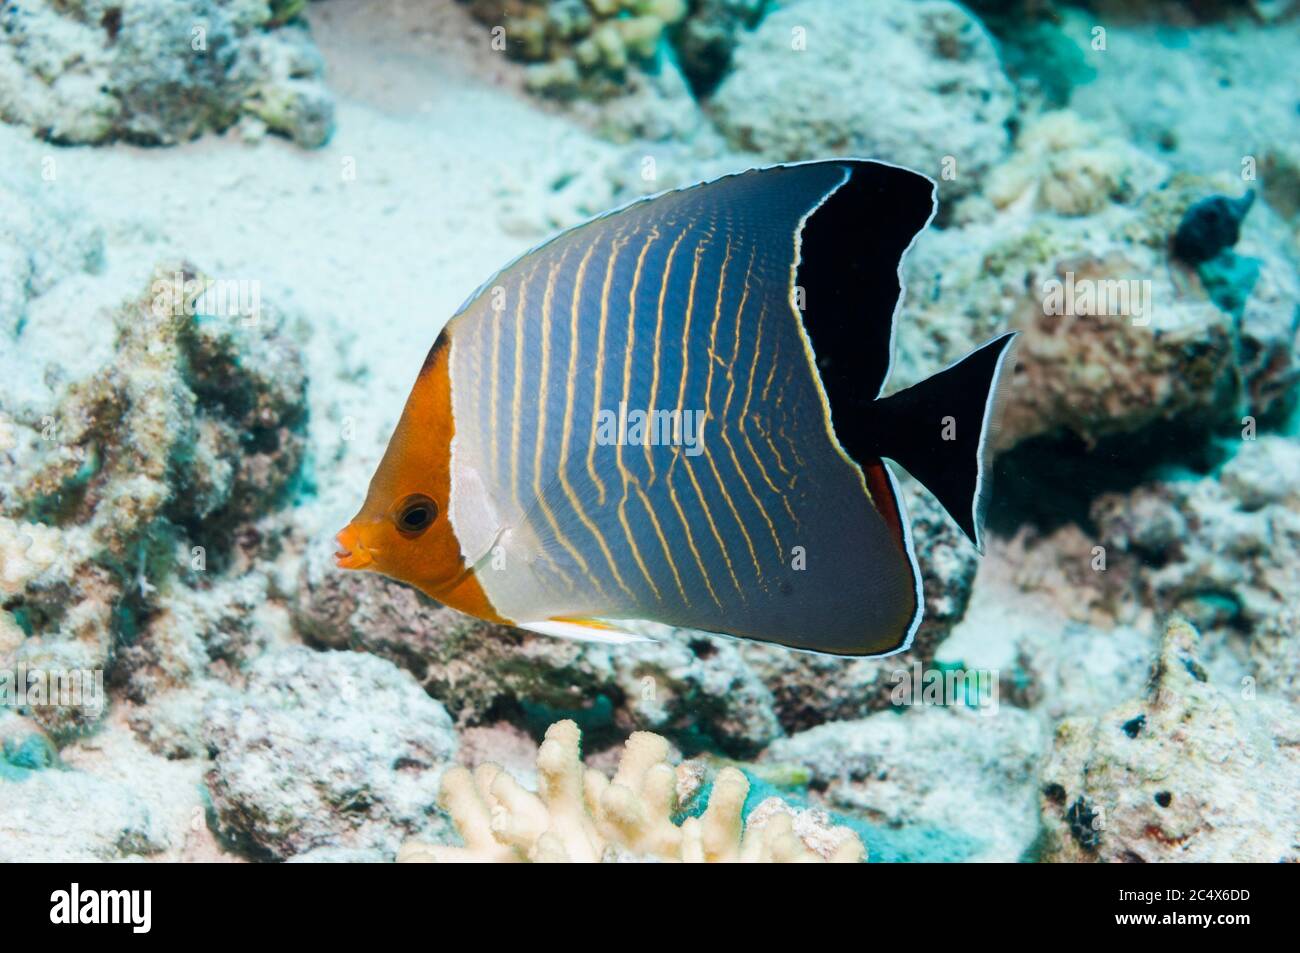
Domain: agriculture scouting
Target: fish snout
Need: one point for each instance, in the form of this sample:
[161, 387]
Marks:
[352, 552]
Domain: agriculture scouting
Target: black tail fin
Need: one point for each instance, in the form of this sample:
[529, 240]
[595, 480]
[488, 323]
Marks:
[941, 429]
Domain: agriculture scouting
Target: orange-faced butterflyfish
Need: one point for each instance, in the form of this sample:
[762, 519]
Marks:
[672, 413]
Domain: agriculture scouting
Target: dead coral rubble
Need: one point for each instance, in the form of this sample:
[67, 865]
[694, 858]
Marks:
[326, 749]
[144, 475]
[1223, 552]
[1190, 772]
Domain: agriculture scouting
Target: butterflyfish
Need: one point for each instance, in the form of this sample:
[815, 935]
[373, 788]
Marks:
[672, 413]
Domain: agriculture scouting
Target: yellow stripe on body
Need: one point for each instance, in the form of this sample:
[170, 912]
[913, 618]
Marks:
[726, 408]
[516, 404]
[745, 419]
[780, 399]
[771, 371]
[540, 441]
[672, 491]
[627, 478]
[615, 248]
[659, 329]
[575, 309]
[492, 391]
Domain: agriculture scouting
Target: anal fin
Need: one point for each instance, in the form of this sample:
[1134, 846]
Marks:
[584, 630]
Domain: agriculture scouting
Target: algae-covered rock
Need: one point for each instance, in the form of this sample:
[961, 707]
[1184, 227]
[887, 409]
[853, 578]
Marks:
[143, 475]
[83, 818]
[159, 71]
[111, 801]
[1192, 772]
[1071, 244]
[1223, 552]
[326, 749]
[912, 83]
[706, 39]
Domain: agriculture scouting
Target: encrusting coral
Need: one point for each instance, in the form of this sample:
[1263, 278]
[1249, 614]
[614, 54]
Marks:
[579, 815]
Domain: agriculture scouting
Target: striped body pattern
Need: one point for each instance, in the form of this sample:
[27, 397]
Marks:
[678, 306]
[673, 413]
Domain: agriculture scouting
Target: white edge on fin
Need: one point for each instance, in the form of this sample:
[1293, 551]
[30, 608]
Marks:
[910, 548]
[582, 633]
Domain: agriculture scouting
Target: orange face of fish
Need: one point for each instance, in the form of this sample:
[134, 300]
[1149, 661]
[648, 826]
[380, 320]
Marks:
[402, 529]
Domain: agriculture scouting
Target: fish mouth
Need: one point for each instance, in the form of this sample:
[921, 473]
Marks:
[352, 553]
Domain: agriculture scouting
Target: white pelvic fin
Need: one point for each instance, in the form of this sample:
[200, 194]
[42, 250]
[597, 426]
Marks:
[583, 633]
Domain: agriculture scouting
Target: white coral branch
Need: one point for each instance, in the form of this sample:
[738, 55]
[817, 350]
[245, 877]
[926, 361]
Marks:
[579, 815]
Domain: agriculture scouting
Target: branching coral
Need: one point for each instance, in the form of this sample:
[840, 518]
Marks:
[579, 815]
[576, 47]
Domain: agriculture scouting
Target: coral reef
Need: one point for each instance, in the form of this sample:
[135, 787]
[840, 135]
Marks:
[141, 478]
[579, 815]
[1070, 243]
[607, 61]
[171, 468]
[932, 96]
[581, 48]
[1189, 772]
[326, 749]
[159, 71]
[1224, 552]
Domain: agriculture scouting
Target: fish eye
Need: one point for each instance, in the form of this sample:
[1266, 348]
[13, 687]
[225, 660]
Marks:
[415, 514]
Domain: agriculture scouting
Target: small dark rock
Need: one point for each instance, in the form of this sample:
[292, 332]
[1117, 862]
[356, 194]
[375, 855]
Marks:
[1210, 226]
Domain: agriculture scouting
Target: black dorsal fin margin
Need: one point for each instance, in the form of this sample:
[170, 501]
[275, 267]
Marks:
[849, 284]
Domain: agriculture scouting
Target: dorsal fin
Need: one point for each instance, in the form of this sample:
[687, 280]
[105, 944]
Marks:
[850, 274]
